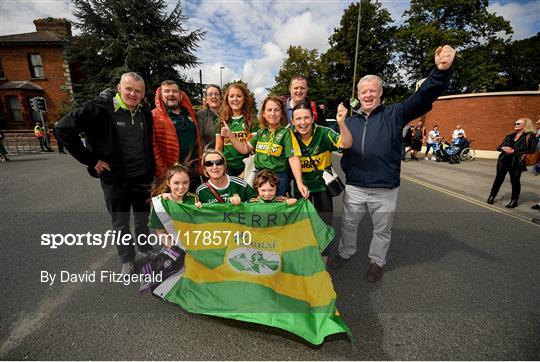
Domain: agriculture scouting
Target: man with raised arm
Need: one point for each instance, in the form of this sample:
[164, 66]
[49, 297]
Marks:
[372, 165]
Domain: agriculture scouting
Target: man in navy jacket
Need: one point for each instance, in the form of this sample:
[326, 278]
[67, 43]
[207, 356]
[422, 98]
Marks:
[373, 164]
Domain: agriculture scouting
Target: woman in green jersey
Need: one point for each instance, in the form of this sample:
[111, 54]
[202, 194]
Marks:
[275, 145]
[237, 114]
[316, 144]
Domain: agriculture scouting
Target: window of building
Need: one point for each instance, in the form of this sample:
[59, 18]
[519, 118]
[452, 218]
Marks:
[1, 70]
[36, 66]
[15, 107]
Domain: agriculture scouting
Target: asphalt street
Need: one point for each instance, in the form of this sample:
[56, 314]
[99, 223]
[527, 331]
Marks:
[462, 279]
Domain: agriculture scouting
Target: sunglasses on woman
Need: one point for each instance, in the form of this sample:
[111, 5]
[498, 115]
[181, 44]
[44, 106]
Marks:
[518, 124]
[209, 163]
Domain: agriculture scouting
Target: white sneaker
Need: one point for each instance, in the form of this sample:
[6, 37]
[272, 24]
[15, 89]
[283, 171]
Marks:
[433, 158]
[425, 158]
[127, 268]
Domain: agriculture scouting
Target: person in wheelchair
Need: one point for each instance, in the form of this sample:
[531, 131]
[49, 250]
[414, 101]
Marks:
[461, 142]
[447, 152]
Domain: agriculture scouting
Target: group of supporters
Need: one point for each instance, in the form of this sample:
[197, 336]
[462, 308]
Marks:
[199, 157]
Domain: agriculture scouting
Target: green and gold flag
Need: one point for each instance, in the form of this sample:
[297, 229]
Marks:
[256, 262]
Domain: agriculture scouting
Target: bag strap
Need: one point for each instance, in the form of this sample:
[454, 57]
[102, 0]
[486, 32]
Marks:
[303, 150]
[214, 192]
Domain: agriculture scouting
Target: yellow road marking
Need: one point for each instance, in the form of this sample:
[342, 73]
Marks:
[468, 199]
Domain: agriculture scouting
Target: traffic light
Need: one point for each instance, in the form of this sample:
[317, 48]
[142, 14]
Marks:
[41, 104]
[34, 104]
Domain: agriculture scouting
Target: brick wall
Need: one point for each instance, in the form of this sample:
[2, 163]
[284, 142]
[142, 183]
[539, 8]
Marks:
[56, 84]
[486, 117]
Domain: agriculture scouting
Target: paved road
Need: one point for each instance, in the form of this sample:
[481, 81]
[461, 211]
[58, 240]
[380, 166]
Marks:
[462, 280]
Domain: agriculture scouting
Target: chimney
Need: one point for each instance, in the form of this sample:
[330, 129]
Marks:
[60, 26]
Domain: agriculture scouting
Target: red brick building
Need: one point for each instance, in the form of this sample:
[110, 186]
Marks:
[485, 117]
[34, 64]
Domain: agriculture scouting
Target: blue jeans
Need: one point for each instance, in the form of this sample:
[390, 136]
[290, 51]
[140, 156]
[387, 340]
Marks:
[432, 146]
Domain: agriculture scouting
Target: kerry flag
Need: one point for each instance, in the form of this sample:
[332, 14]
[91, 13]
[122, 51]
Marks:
[256, 262]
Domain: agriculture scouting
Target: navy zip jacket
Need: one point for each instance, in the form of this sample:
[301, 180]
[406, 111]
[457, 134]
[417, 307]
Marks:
[374, 160]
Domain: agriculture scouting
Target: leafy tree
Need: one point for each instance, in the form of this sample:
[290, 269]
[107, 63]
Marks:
[300, 61]
[466, 25]
[375, 53]
[520, 64]
[129, 35]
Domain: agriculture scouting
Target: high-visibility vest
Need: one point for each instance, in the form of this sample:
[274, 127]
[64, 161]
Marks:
[38, 131]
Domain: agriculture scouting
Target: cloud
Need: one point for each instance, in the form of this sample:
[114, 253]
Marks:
[259, 73]
[17, 16]
[302, 30]
[524, 17]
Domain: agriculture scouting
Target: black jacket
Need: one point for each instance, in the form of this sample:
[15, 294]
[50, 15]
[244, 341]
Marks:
[526, 143]
[374, 160]
[95, 119]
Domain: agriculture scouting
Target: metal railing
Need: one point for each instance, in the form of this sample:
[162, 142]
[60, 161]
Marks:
[21, 144]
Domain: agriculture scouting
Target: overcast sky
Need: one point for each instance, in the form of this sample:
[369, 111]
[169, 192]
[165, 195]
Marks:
[250, 38]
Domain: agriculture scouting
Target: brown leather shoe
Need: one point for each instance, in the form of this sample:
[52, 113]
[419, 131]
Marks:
[374, 273]
[337, 262]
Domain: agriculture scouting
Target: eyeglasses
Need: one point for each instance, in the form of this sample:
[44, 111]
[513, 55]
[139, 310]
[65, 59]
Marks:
[213, 94]
[209, 163]
[518, 124]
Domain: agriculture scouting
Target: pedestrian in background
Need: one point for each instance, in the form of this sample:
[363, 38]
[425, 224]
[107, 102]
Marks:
[39, 133]
[512, 148]
[419, 137]
[458, 132]
[432, 142]
[58, 142]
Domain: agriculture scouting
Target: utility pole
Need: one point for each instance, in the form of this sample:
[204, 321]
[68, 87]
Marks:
[221, 76]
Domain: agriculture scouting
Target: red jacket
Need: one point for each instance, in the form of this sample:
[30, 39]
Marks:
[165, 138]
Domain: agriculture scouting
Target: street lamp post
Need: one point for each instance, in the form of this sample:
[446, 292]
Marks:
[221, 76]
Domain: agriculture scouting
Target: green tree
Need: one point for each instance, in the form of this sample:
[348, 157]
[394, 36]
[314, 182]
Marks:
[467, 26]
[375, 53]
[129, 35]
[304, 62]
[520, 64]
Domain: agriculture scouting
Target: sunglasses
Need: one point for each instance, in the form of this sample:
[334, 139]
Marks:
[209, 163]
[518, 124]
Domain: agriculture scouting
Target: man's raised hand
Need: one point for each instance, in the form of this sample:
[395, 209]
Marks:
[341, 113]
[444, 57]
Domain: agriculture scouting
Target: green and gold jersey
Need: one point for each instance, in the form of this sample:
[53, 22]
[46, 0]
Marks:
[320, 146]
[235, 186]
[155, 222]
[273, 148]
[233, 157]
